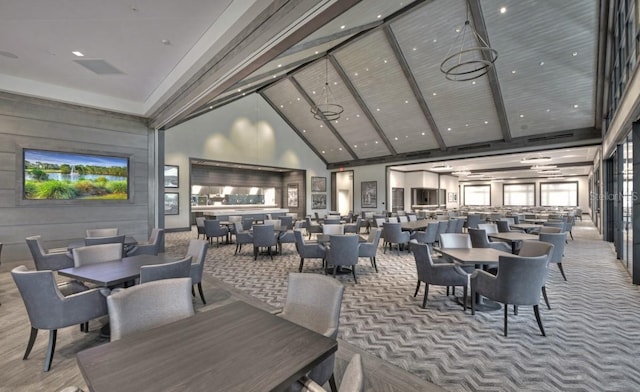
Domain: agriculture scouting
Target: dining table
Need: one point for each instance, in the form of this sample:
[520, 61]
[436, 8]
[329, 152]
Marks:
[527, 227]
[233, 348]
[513, 237]
[129, 241]
[420, 224]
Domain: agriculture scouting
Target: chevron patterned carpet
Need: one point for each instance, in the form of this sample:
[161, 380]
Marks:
[592, 329]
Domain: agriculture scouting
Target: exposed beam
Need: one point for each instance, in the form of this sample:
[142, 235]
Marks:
[327, 123]
[562, 139]
[395, 46]
[363, 106]
[304, 139]
[494, 83]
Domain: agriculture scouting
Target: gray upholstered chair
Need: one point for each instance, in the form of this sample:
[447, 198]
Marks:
[343, 251]
[242, 237]
[314, 302]
[473, 220]
[312, 227]
[200, 227]
[286, 237]
[286, 221]
[393, 234]
[114, 239]
[505, 227]
[149, 305]
[264, 236]
[332, 229]
[48, 309]
[331, 221]
[353, 227]
[533, 249]
[175, 269]
[455, 240]
[109, 232]
[442, 228]
[559, 224]
[568, 225]
[308, 250]
[490, 228]
[198, 252]
[519, 282]
[213, 229]
[352, 379]
[96, 254]
[370, 248]
[550, 229]
[452, 225]
[440, 274]
[428, 236]
[247, 223]
[479, 239]
[152, 247]
[403, 218]
[48, 260]
[558, 240]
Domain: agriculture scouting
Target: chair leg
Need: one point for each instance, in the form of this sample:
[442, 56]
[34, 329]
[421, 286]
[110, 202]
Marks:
[335, 267]
[544, 295]
[571, 234]
[237, 245]
[447, 291]
[193, 292]
[464, 298]
[417, 288]
[301, 263]
[536, 310]
[473, 301]
[52, 347]
[373, 263]
[426, 294]
[201, 293]
[270, 254]
[515, 309]
[562, 271]
[332, 383]
[353, 271]
[506, 312]
[255, 253]
[32, 339]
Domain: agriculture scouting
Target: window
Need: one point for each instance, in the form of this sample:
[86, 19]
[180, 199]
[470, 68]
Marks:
[559, 194]
[519, 194]
[477, 195]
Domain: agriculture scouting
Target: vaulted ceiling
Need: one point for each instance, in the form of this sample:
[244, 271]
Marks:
[381, 59]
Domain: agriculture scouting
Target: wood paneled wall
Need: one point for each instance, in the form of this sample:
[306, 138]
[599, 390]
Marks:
[35, 123]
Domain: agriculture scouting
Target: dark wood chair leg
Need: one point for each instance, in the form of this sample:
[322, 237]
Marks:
[447, 291]
[464, 298]
[193, 292]
[50, 350]
[201, 293]
[332, 383]
[417, 288]
[515, 309]
[301, 263]
[536, 310]
[473, 301]
[255, 253]
[544, 295]
[426, 294]
[562, 271]
[335, 268]
[32, 339]
[506, 313]
[353, 271]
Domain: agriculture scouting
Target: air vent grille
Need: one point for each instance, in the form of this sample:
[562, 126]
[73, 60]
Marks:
[99, 67]
[552, 137]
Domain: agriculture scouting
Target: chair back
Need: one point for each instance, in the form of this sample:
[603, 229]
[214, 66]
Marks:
[96, 254]
[247, 223]
[455, 240]
[136, 308]
[117, 239]
[560, 225]
[380, 221]
[442, 228]
[460, 224]
[403, 218]
[559, 241]
[479, 238]
[412, 217]
[520, 279]
[175, 269]
[200, 224]
[393, 219]
[264, 235]
[550, 229]
[332, 221]
[343, 250]
[452, 225]
[45, 260]
[503, 226]
[273, 222]
[213, 229]
[536, 248]
[490, 228]
[110, 232]
[431, 233]
[286, 221]
[333, 229]
[473, 220]
[198, 252]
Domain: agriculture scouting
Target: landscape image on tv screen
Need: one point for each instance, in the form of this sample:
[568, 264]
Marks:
[53, 175]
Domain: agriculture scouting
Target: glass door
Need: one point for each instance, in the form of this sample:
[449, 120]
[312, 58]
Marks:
[627, 204]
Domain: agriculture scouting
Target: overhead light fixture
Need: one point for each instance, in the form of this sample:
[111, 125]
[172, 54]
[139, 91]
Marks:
[470, 57]
[441, 167]
[326, 108]
[543, 167]
[77, 53]
[461, 173]
[476, 175]
[550, 172]
[535, 159]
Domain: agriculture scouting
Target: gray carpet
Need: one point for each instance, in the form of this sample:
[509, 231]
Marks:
[592, 329]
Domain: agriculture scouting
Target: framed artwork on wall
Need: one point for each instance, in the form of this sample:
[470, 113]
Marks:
[171, 179]
[318, 184]
[292, 195]
[369, 191]
[318, 201]
[171, 203]
[453, 197]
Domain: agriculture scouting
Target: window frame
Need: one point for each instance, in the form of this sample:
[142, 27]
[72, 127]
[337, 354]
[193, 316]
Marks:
[577, 203]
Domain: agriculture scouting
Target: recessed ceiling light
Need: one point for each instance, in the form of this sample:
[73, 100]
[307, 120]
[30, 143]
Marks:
[304, 131]
[281, 106]
[323, 151]
[317, 52]
[406, 101]
[379, 16]
[385, 61]
[340, 149]
[377, 109]
[548, 110]
[395, 138]
[279, 65]
[457, 30]
[435, 40]
[522, 115]
[461, 173]
[503, 10]
[513, 71]
[342, 27]
[466, 125]
[474, 82]
[575, 106]
[355, 74]
[422, 133]
[313, 92]
[574, 54]
[448, 129]
[441, 167]
[541, 63]
[414, 49]
[357, 115]
[210, 107]
[166, 42]
[79, 54]
[376, 142]
[535, 159]
[486, 122]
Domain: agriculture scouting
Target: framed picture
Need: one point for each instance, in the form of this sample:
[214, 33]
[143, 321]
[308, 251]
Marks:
[369, 191]
[318, 184]
[170, 176]
[171, 203]
[292, 195]
[319, 201]
[453, 197]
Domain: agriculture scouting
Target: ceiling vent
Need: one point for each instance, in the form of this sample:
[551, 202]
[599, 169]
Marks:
[474, 147]
[99, 67]
[552, 137]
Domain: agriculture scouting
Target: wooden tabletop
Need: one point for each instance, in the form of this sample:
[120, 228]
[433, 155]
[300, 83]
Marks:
[236, 347]
[416, 225]
[322, 238]
[525, 226]
[128, 241]
[513, 236]
[112, 273]
[473, 255]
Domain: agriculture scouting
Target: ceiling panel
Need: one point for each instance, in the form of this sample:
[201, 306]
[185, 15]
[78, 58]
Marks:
[293, 106]
[546, 63]
[378, 78]
[464, 112]
[353, 125]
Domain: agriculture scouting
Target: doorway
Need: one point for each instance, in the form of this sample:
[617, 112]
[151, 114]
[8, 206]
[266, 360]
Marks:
[343, 192]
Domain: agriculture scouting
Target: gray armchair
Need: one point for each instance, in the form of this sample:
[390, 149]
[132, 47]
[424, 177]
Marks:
[264, 236]
[353, 227]
[559, 241]
[200, 227]
[518, 282]
[437, 274]
[150, 248]
[213, 229]
[198, 252]
[550, 229]
[46, 260]
[428, 236]
[343, 251]
[352, 379]
[504, 226]
[370, 248]
[479, 239]
[109, 232]
[533, 249]
[312, 227]
[314, 302]
[96, 254]
[242, 237]
[136, 308]
[49, 309]
[175, 269]
[393, 234]
[115, 239]
[473, 220]
[308, 250]
[442, 229]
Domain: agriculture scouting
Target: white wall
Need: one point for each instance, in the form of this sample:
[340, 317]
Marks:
[450, 183]
[422, 179]
[245, 131]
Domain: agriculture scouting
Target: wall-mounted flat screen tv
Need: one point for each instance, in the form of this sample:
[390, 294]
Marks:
[57, 175]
